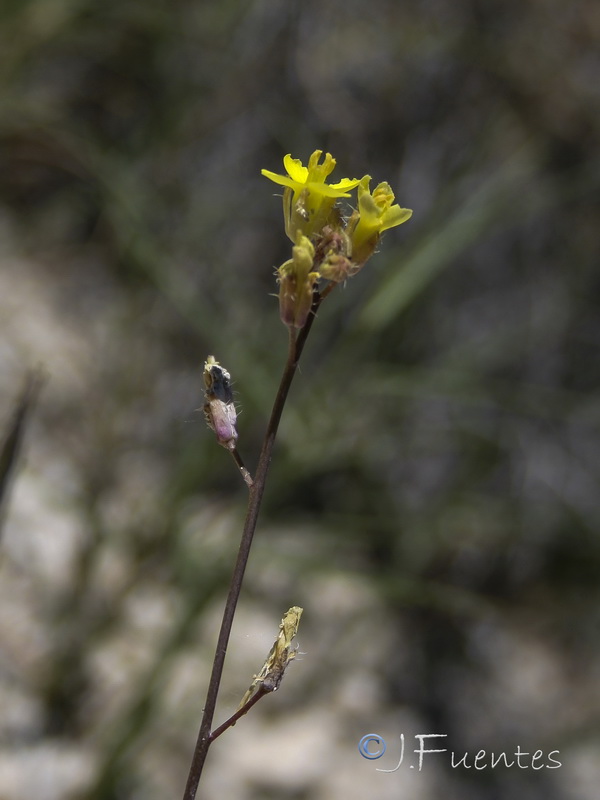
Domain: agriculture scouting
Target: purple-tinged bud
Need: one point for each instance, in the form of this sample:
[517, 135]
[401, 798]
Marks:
[219, 408]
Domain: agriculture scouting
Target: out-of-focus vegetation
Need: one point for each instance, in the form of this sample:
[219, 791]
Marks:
[434, 503]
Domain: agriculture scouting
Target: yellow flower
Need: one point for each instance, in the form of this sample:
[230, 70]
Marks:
[375, 214]
[307, 199]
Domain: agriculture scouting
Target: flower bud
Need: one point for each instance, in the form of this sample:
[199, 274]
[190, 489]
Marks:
[336, 268]
[296, 283]
[333, 250]
[219, 409]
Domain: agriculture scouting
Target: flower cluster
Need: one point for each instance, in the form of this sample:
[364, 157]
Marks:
[326, 245]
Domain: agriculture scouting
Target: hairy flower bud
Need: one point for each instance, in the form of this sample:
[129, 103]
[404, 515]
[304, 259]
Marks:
[219, 409]
[333, 250]
[296, 283]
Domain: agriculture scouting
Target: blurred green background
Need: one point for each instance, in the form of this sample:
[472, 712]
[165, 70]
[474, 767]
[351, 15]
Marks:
[434, 498]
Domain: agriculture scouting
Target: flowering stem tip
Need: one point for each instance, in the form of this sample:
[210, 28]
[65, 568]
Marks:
[326, 244]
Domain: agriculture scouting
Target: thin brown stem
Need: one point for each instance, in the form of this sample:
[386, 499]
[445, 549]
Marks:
[240, 465]
[296, 346]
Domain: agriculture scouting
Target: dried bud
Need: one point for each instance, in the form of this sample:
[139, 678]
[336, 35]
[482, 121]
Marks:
[282, 652]
[219, 409]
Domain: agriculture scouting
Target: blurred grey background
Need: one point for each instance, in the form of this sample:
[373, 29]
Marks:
[434, 498]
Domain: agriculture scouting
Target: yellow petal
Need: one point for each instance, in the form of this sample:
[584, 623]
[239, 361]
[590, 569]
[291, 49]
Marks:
[295, 169]
[282, 180]
[345, 184]
[325, 190]
[395, 216]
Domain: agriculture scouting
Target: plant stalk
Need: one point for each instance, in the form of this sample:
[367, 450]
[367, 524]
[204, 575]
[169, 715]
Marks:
[256, 492]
